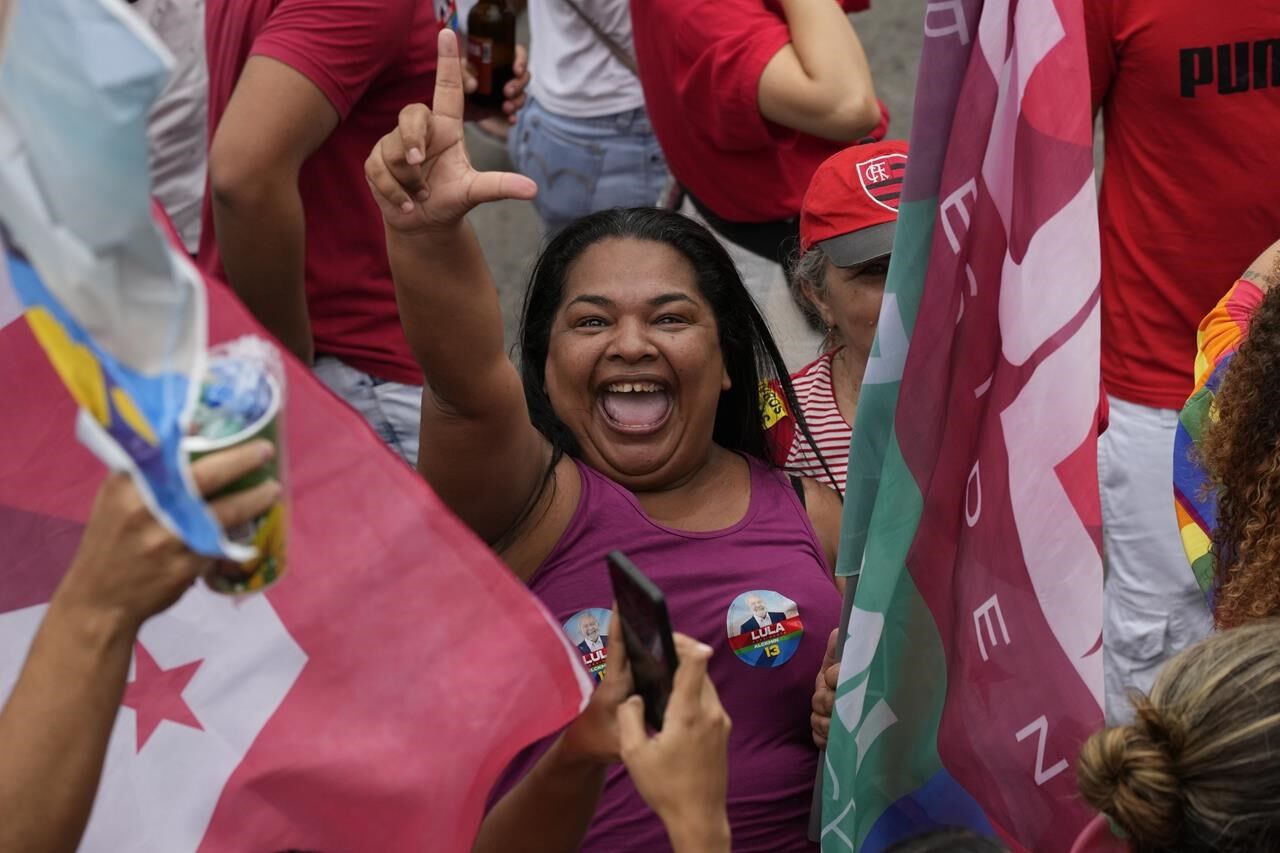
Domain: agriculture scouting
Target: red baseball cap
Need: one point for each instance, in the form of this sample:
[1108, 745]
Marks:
[850, 210]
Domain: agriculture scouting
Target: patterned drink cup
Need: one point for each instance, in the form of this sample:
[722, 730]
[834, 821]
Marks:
[266, 533]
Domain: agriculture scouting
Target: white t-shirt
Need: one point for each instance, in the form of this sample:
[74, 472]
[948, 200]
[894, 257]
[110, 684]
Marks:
[176, 126]
[574, 73]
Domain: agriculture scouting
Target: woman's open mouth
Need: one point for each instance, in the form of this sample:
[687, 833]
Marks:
[636, 408]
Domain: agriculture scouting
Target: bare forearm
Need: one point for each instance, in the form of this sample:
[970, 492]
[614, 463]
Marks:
[262, 242]
[450, 312]
[548, 811]
[708, 834]
[821, 83]
[829, 49]
[55, 727]
[1265, 271]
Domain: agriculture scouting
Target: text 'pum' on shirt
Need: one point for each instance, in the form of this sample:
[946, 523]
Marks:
[1235, 67]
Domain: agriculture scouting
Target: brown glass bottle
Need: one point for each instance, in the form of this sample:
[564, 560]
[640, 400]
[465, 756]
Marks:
[491, 50]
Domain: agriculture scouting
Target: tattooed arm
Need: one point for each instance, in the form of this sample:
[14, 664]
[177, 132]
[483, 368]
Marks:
[1265, 271]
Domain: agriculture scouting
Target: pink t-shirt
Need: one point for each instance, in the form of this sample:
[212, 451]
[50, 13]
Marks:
[759, 593]
[370, 58]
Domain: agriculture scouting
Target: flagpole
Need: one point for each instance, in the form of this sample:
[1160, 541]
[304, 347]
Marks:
[815, 807]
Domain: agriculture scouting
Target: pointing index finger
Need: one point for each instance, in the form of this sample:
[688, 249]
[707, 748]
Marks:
[449, 98]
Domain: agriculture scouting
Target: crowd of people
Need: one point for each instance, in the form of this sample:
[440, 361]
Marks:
[719, 199]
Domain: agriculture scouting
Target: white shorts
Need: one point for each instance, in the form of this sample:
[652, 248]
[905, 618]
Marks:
[1152, 606]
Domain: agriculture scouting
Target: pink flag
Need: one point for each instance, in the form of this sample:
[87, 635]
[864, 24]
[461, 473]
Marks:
[366, 702]
[972, 672]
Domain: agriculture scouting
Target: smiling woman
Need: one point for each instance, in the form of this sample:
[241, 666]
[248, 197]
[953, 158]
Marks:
[633, 423]
[653, 290]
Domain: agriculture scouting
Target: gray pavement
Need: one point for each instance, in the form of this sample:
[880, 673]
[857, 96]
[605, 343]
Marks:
[891, 33]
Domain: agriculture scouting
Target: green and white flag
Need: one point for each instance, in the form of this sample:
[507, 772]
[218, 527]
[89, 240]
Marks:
[972, 668]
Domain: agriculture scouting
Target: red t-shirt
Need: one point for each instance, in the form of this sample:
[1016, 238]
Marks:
[700, 65]
[370, 58]
[1189, 193]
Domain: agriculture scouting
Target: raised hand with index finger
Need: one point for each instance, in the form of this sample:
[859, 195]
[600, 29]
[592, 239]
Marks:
[420, 173]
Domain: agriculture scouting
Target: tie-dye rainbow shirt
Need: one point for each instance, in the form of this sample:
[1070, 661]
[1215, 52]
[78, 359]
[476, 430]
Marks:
[1217, 340]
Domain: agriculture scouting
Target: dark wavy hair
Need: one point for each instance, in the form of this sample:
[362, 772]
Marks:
[747, 347]
[1241, 450]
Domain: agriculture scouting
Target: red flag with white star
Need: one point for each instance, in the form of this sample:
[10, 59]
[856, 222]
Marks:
[366, 702]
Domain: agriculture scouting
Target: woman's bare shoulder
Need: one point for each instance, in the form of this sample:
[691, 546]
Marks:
[536, 537]
[825, 508]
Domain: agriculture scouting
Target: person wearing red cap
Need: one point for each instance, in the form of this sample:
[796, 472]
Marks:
[847, 224]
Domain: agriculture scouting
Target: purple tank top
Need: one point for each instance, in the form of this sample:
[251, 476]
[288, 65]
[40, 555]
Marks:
[760, 595]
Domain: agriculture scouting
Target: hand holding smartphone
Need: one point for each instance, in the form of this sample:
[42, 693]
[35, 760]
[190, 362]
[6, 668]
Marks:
[646, 630]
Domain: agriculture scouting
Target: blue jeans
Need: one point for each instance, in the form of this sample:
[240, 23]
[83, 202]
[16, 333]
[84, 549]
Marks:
[583, 165]
[393, 409]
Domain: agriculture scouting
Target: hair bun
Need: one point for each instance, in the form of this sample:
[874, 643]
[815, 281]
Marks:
[1128, 772]
[1165, 733]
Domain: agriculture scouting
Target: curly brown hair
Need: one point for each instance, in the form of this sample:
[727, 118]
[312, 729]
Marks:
[1241, 450]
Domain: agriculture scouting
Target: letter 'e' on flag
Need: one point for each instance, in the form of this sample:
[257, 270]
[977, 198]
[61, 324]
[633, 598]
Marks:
[971, 671]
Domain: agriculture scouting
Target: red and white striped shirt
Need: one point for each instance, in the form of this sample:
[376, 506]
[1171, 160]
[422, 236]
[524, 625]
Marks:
[816, 395]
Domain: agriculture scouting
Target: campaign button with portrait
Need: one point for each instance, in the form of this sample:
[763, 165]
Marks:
[588, 631]
[764, 628]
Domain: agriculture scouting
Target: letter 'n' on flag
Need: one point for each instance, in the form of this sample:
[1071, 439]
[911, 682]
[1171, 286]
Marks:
[971, 671]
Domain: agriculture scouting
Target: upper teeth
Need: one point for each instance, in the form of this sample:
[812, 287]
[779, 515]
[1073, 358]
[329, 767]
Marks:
[627, 387]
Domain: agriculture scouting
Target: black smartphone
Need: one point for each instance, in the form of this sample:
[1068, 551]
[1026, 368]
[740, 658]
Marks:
[646, 629]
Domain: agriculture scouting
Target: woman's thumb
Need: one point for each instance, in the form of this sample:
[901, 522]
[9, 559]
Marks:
[496, 186]
[631, 732]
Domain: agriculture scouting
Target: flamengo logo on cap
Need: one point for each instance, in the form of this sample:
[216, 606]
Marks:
[881, 179]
